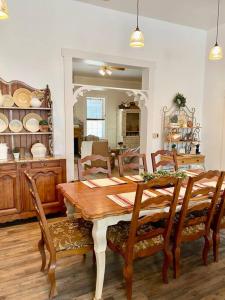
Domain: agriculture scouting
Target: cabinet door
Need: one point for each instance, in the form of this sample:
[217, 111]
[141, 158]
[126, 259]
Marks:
[46, 181]
[9, 193]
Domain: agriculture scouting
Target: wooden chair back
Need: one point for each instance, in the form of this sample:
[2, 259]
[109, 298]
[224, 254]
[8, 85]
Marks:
[84, 172]
[164, 201]
[39, 212]
[157, 162]
[194, 202]
[123, 166]
[219, 214]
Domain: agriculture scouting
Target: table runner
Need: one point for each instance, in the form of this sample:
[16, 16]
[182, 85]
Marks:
[135, 178]
[127, 199]
[104, 182]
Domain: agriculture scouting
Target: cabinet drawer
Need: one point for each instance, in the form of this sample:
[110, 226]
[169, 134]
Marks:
[45, 164]
[7, 167]
[191, 160]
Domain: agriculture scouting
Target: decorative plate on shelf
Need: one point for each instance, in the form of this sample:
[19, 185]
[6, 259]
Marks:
[16, 126]
[31, 122]
[22, 97]
[7, 101]
[4, 123]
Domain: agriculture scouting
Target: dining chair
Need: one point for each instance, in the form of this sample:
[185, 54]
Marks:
[62, 238]
[196, 214]
[131, 161]
[140, 238]
[157, 161]
[218, 223]
[85, 168]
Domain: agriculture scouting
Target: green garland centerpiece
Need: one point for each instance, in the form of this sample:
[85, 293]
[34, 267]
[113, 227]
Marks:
[162, 173]
[179, 100]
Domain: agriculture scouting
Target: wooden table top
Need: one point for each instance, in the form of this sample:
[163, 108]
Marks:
[93, 203]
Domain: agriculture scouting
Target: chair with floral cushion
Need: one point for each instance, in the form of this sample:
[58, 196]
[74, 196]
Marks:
[170, 160]
[140, 238]
[195, 217]
[218, 223]
[65, 237]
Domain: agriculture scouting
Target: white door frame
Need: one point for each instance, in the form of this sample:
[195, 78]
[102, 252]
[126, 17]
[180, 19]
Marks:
[147, 84]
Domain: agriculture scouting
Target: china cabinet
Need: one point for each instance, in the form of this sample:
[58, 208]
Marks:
[47, 171]
[128, 127]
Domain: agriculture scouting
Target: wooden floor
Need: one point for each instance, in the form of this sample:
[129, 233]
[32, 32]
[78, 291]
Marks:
[20, 278]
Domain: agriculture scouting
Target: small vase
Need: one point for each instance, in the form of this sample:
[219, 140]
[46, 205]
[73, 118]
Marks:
[16, 156]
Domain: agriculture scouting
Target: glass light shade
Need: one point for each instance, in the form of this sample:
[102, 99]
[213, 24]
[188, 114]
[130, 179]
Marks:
[108, 72]
[102, 72]
[3, 10]
[137, 39]
[216, 53]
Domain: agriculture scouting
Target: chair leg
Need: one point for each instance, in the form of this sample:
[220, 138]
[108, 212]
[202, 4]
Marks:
[51, 277]
[128, 275]
[168, 257]
[41, 247]
[207, 246]
[216, 243]
[176, 262]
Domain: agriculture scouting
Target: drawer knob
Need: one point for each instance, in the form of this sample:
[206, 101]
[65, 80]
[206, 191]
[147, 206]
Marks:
[24, 165]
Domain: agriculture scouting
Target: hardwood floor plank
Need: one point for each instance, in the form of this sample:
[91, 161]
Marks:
[20, 278]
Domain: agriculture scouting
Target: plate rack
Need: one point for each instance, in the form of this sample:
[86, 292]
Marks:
[25, 138]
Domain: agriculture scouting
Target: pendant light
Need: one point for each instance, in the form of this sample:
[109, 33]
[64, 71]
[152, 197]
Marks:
[3, 10]
[216, 53]
[137, 37]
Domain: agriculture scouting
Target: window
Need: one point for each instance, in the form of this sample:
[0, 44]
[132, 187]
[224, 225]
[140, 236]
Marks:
[96, 116]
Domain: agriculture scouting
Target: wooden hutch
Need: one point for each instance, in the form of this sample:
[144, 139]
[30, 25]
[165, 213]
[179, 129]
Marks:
[15, 201]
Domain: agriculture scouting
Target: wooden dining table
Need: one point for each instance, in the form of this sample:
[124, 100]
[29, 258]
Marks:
[95, 206]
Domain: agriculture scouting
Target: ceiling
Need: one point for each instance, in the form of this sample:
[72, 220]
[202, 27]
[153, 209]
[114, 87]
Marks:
[195, 13]
[90, 68]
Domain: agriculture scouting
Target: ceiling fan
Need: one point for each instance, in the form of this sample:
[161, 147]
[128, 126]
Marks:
[107, 70]
[103, 68]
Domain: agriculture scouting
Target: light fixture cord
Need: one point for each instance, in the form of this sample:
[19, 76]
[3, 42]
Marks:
[217, 25]
[137, 13]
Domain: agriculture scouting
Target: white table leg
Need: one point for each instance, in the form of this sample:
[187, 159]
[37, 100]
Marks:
[70, 209]
[100, 243]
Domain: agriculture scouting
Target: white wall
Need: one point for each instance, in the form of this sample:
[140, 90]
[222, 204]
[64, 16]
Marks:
[35, 33]
[214, 106]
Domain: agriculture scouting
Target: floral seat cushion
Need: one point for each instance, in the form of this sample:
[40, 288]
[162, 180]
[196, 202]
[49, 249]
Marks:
[69, 234]
[118, 235]
[193, 229]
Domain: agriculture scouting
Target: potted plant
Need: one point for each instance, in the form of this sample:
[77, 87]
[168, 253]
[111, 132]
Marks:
[43, 124]
[16, 153]
[179, 100]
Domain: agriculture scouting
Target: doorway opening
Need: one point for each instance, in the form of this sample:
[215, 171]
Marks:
[107, 102]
